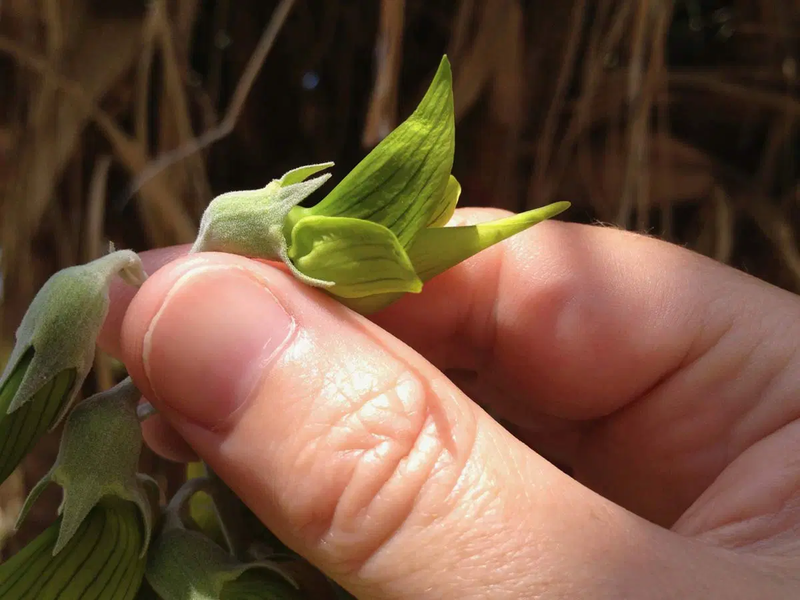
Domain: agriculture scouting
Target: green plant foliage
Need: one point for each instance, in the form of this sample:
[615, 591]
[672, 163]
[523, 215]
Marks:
[54, 351]
[98, 458]
[102, 561]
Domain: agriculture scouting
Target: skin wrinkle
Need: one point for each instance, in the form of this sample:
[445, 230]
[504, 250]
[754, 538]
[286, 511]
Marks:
[446, 466]
[746, 430]
[330, 526]
[757, 517]
[704, 348]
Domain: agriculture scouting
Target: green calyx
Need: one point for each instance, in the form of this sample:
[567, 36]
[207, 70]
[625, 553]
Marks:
[381, 232]
[54, 351]
[251, 223]
[102, 560]
[97, 460]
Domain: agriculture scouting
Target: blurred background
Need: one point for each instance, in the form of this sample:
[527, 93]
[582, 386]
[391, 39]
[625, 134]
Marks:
[121, 119]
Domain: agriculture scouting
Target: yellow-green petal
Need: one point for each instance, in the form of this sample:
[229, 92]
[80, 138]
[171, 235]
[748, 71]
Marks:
[360, 257]
[400, 182]
[447, 205]
[437, 249]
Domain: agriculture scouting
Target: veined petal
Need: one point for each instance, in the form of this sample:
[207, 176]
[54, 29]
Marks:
[101, 561]
[401, 181]
[437, 249]
[21, 429]
[447, 205]
[360, 257]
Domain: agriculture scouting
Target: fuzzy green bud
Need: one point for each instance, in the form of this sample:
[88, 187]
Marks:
[98, 458]
[54, 351]
[102, 561]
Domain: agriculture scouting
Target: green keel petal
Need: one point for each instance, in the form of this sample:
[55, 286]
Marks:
[360, 257]
[437, 249]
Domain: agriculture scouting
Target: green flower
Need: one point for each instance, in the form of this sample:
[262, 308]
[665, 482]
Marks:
[380, 233]
[98, 459]
[54, 351]
[102, 561]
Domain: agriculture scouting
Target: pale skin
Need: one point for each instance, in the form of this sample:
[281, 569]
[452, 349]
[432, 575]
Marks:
[669, 386]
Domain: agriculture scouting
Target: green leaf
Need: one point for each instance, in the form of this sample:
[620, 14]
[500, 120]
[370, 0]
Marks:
[98, 458]
[400, 182]
[360, 257]
[251, 222]
[437, 249]
[447, 205]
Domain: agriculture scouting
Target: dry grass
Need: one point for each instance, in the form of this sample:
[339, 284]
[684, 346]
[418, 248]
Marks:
[121, 123]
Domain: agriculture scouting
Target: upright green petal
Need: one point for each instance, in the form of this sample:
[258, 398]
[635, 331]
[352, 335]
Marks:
[360, 257]
[400, 182]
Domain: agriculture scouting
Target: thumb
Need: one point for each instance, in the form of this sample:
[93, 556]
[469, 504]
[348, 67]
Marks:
[365, 459]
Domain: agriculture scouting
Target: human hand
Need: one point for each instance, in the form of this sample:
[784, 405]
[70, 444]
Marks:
[668, 385]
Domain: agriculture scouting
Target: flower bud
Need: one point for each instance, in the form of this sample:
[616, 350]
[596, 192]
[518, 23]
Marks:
[98, 459]
[54, 351]
[102, 561]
